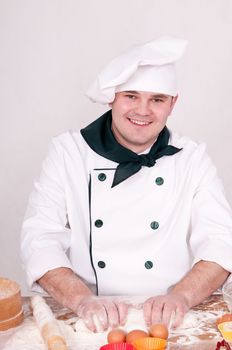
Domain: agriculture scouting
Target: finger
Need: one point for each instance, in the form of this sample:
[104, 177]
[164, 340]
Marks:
[89, 322]
[157, 311]
[123, 313]
[147, 311]
[100, 319]
[94, 316]
[153, 308]
[179, 316]
[168, 311]
[173, 315]
[112, 314]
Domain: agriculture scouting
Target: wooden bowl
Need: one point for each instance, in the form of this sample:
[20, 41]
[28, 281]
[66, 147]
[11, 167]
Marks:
[11, 311]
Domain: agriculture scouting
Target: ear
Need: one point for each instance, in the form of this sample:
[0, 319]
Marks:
[173, 102]
[110, 104]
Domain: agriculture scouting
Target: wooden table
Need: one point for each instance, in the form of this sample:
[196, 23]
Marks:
[206, 339]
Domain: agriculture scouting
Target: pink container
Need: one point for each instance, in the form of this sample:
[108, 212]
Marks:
[117, 346]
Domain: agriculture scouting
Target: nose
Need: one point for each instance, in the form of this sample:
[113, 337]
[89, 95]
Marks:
[142, 108]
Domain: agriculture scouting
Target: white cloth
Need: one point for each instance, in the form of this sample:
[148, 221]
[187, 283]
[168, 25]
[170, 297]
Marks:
[195, 220]
[146, 67]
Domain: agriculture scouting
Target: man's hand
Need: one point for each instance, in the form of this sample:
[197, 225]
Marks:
[165, 308]
[100, 313]
[198, 284]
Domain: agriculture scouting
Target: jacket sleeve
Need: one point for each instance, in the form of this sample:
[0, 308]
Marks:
[211, 221]
[45, 237]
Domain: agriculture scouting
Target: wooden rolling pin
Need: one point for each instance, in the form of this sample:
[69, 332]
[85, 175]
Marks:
[47, 324]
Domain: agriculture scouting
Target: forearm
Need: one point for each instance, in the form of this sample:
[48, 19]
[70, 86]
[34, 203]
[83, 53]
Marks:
[65, 287]
[202, 280]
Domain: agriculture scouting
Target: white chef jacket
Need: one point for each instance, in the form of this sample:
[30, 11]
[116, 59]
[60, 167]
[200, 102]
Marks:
[139, 237]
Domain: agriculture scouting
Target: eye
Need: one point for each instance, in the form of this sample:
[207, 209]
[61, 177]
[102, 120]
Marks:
[131, 97]
[158, 100]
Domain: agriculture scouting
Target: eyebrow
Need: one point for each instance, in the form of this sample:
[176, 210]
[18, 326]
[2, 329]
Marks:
[153, 95]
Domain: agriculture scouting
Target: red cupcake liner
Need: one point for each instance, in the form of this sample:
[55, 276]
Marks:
[117, 346]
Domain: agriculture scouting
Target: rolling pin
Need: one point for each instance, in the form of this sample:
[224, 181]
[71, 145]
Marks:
[47, 324]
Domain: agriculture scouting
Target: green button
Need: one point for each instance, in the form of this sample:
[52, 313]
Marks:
[154, 225]
[98, 223]
[148, 264]
[101, 177]
[101, 264]
[159, 181]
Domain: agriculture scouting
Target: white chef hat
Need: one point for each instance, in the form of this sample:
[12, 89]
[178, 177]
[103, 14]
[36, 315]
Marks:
[147, 67]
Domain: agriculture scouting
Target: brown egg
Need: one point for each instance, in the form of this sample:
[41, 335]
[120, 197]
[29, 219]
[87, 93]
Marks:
[135, 334]
[158, 330]
[116, 336]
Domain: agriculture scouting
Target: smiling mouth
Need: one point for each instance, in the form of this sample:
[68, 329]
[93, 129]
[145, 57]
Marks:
[139, 122]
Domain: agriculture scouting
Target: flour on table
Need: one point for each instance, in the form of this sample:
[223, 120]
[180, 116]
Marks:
[135, 320]
[28, 337]
[88, 340]
[191, 320]
[195, 324]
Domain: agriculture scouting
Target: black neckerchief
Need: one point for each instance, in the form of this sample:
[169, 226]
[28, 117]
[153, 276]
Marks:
[100, 138]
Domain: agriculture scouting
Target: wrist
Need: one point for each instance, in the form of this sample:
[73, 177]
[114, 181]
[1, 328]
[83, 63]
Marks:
[182, 295]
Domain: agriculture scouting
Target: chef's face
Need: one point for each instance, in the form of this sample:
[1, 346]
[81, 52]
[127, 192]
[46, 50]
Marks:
[138, 117]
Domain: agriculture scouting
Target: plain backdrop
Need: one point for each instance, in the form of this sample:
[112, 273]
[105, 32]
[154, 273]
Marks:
[50, 50]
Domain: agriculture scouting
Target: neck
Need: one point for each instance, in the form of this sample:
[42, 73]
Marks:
[136, 148]
[140, 149]
[132, 146]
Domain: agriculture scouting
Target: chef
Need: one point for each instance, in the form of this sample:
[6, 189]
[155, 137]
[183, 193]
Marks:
[127, 207]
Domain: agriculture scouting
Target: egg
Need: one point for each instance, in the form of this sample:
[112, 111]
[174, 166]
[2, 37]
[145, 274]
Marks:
[135, 334]
[158, 330]
[116, 336]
